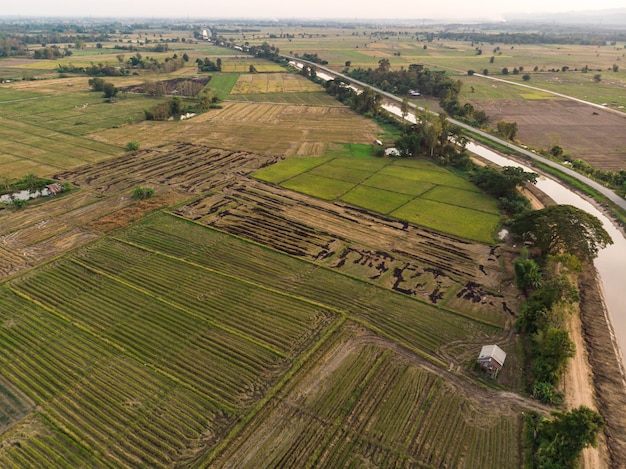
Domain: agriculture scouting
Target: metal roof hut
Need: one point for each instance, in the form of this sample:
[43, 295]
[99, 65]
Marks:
[492, 358]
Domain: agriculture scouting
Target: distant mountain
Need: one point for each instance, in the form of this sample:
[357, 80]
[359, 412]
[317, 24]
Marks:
[613, 17]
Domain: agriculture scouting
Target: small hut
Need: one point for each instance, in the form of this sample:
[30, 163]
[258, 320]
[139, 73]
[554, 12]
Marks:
[492, 358]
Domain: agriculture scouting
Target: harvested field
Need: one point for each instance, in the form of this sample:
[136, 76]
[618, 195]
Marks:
[243, 66]
[591, 134]
[176, 331]
[104, 201]
[188, 168]
[274, 83]
[275, 129]
[364, 400]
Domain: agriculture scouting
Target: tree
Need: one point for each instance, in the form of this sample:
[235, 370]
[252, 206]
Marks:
[348, 64]
[552, 348]
[505, 71]
[561, 440]
[96, 84]
[507, 130]
[404, 108]
[501, 182]
[132, 146]
[143, 193]
[562, 229]
[185, 57]
[109, 90]
[526, 77]
[597, 78]
[384, 65]
[527, 272]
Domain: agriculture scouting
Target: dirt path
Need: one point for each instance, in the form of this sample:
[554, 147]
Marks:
[579, 390]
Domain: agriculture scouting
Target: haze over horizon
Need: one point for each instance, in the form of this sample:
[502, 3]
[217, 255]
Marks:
[321, 9]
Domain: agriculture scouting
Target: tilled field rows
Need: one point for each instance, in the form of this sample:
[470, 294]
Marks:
[363, 403]
[139, 358]
[191, 168]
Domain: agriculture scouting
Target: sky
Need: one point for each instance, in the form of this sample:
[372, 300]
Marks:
[314, 9]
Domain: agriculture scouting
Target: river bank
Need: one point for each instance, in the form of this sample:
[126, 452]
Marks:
[595, 376]
[608, 380]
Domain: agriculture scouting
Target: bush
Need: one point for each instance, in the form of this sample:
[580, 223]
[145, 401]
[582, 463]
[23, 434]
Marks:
[132, 146]
[143, 193]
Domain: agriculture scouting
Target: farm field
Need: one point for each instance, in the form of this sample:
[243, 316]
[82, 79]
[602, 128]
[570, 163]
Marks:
[45, 128]
[265, 128]
[342, 410]
[583, 132]
[229, 321]
[150, 331]
[418, 193]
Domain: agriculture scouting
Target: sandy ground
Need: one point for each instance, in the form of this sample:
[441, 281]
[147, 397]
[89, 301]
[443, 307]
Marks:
[579, 390]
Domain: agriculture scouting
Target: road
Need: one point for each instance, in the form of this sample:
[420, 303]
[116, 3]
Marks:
[608, 193]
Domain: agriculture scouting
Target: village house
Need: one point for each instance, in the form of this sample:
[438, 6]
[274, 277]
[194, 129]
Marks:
[492, 358]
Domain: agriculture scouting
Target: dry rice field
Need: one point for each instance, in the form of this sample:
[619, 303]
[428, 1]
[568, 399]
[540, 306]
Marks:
[277, 129]
[273, 83]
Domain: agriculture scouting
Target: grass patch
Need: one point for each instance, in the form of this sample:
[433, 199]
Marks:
[464, 222]
[442, 178]
[342, 173]
[378, 200]
[223, 83]
[289, 168]
[463, 198]
[318, 186]
[398, 184]
[354, 150]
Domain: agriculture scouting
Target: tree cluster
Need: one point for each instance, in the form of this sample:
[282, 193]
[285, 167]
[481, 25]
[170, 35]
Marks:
[557, 443]
[367, 102]
[49, 53]
[564, 235]
[172, 108]
[503, 184]
[207, 65]
[399, 82]
[562, 229]
[314, 58]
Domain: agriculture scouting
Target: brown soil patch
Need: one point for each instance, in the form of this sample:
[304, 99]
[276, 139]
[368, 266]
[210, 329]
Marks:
[591, 134]
[172, 87]
[134, 212]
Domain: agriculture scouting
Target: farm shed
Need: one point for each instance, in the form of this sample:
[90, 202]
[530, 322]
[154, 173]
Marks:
[492, 358]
